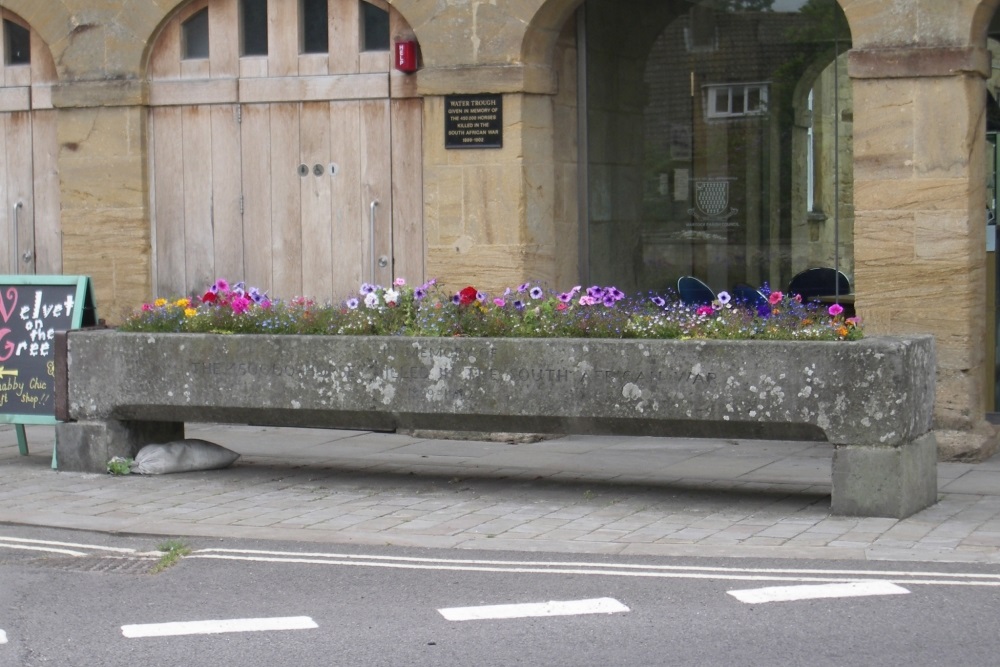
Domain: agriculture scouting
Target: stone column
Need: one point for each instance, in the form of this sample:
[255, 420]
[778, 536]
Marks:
[920, 217]
[102, 170]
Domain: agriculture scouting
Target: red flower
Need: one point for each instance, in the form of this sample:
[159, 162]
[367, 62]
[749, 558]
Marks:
[209, 297]
[467, 295]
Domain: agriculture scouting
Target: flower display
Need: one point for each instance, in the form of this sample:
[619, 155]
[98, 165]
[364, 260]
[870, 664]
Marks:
[529, 311]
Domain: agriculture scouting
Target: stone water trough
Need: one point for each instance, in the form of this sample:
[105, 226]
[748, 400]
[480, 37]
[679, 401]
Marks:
[871, 399]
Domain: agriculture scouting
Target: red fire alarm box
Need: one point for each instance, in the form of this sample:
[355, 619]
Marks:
[406, 56]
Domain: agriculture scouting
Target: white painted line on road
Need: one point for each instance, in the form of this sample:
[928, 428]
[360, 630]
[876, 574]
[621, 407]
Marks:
[792, 593]
[50, 550]
[3, 637]
[606, 569]
[75, 545]
[218, 626]
[535, 609]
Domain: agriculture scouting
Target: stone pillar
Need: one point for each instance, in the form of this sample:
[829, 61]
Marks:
[102, 170]
[920, 217]
[503, 216]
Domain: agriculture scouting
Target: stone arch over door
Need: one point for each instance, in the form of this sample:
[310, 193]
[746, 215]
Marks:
[30, 240]
[296, 172]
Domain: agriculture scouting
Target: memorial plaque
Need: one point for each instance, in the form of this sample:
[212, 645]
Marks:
[473, 121]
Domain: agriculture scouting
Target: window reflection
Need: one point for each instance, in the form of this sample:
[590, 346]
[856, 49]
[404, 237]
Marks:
[704, 156]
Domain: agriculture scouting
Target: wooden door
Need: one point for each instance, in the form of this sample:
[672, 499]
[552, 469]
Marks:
[282, 175]
[30, 240]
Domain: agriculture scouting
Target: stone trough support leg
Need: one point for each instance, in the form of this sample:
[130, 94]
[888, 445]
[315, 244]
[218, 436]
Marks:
[88, 446]
[885, 481]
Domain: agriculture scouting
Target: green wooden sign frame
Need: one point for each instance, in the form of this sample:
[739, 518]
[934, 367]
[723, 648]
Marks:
[32, 308]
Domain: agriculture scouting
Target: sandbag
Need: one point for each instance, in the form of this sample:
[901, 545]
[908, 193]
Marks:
[182, 456]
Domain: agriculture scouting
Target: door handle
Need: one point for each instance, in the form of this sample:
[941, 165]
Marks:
[14, 251]
[371, 236]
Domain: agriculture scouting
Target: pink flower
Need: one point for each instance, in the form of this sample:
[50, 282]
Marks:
[704, 311]
[239, 304]
[775, 298]
[835, 309]
[499, 302]
[399, 282]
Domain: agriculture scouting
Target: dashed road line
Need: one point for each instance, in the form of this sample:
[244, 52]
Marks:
[218, 626]
[534, 609]
[793, 593]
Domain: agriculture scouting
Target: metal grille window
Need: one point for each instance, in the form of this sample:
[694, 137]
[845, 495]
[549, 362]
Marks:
[734, 100]
[253, 27]
[18, 41]
[375, 23]
[315, 29]
[194, 36]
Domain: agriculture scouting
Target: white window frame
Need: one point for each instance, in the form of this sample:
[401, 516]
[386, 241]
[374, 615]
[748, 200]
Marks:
[712, 95]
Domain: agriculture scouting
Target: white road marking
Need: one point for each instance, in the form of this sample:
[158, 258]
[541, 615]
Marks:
[605, 569]
[218, 626]
[41, 545]
[551, 608]
[3, 637]
[791, 593]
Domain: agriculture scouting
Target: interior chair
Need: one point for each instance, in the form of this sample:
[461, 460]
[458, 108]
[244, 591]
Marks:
[820, 281]
[694, 292]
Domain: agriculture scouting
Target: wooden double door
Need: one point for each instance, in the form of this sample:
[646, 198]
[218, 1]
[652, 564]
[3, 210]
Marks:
[296, 173]
[294, 198]
[30, 225]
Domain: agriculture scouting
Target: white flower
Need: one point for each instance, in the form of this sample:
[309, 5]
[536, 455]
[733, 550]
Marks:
[391, 296]
[371, 299]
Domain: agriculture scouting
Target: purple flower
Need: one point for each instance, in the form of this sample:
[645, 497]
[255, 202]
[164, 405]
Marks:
[352, 303]
[615, 293]
[595, 292]
[419, 293]
[658, 301]
[481, 297]
[524, 287]
[724, 298]
[456, 299]
[566, 297]
[536, 292]
[609, 300]
[519, 305]
[367, 288]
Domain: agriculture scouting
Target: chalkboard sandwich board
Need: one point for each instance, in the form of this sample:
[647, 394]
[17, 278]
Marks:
[32, 309]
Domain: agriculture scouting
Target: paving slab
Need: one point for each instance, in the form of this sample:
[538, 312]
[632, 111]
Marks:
[578, 494]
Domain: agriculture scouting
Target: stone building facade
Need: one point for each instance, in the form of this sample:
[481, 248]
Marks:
[154, 147]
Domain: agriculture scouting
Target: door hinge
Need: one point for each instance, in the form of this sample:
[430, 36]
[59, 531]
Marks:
[241, 204]
[238, 113]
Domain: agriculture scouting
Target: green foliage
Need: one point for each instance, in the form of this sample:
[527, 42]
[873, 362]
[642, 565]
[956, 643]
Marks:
[120, 466]
[173, 551]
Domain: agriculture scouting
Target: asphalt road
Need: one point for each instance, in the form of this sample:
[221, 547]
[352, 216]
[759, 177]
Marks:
[87, 599]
